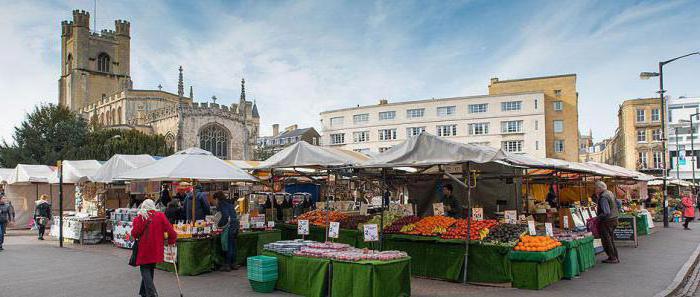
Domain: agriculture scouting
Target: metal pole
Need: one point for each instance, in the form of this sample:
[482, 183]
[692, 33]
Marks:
[663, 142]
[515, 192]
[678, 173]
[692, 148]
[469, 220]
[60, 203]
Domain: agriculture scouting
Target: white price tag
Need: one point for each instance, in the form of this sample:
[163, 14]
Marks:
[303, 227]
[259, 225]
[548, 229]
[334, 229]
[170, 255]
[271, 224]
[531, 228]
[438, 209]
[363, 209]
[566, 222]
[511, 216]
[371, 232]
[478, 213]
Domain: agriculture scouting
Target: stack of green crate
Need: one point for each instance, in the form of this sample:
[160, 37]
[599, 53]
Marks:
[262, 273]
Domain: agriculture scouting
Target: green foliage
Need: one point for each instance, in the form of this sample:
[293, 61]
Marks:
[102, 144]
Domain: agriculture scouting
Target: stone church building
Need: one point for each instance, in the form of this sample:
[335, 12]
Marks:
[95, 82]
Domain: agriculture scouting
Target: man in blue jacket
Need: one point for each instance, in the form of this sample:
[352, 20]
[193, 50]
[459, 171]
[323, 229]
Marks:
[201, 205]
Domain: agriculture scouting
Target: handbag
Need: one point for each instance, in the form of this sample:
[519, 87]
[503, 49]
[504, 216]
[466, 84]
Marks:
[135, 247]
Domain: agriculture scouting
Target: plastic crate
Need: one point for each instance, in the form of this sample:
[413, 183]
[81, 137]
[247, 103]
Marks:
[261, 261]
[262, 277]
[263, 287]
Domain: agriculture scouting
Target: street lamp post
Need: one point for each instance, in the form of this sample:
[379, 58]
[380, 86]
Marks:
[660, 74]
[692, 149]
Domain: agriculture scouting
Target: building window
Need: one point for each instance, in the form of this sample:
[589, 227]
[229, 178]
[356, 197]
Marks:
[535, 103]
[558, 105]
[537, 126]
[558, 126]
[512, 127]
[558, 146]
[447, 130]
[657, 160]
[478, 108]
[641, 136]
[103, 62]
[537, 145]
[387, 134]
[214, 138]
[384, 149]
[314, 141]
[336, 121]
[642, 160]
[512, 146]
[415, 113]
[656, 135]
[413, 131]
[655, 115]
[361, 136]
[479, 129]
[557, 93]
[338, 138]
[641, 115]
[360, 118]
[444, 111]
[511, 105]
[387, 115]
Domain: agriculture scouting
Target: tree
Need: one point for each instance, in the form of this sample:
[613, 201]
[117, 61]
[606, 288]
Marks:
[102, 144]
[48, 134]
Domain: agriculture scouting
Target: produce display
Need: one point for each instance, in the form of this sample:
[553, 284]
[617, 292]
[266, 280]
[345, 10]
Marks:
[429, 226]
[570, 235]
[344, 252]
[287, 247]
[479, 229]
[397, 225]
[389, 218]
[505, 233]
[536, 244]
[351, 222]
[319, 218]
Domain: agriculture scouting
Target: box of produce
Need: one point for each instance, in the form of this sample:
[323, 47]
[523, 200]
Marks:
[321, 217]
[351, 222]
[479, 230]
[429, 226]
[397, 225]
[536, 244]
[505, 234]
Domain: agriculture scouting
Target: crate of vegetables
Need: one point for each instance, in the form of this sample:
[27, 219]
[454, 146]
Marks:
[429, 226]
[536, 248]
[479, 229]
[536, 262]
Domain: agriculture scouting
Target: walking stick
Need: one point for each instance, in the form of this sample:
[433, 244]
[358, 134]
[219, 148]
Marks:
[177, 276]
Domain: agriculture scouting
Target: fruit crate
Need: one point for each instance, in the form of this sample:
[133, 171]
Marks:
[263, 287]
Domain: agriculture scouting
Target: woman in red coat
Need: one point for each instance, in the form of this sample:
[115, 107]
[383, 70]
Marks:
[149, 228]
[688, 210]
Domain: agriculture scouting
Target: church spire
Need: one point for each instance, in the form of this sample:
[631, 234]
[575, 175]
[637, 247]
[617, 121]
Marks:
[241, 103]
[191, 94]
[180, 84]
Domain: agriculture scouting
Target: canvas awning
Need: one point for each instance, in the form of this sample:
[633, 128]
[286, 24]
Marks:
[5, 174]
[119, 164]
[75, 170]
[245, 164]
[303, 154]
[192, 163]
[622, 170]
[24, 173]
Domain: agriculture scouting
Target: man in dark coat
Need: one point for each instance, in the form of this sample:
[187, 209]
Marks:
[607, 214]
[201, 205]
[42, 215]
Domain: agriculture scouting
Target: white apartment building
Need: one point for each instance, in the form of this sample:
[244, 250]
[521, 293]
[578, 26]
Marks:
[679, 142]
[513, 122]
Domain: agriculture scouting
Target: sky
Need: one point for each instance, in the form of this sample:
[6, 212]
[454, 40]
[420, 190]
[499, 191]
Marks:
[303, 57]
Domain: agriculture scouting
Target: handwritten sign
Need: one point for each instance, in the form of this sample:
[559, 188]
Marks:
[334, 230]
[511, 216]
[371, 232]
[303, 227]
[566, 222]
[531, 228]
[438, 209]
[478, 213]
[548, 229]
[245, 221]
[170, 254]
[626, 230]
[363, 209]
[271, 224]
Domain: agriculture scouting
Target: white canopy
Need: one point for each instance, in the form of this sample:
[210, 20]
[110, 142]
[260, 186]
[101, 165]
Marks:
[5, 174]
[192, 163]
[119, 164]
[75, 170]
[427, 150]
[622, 170]
[24, 173]
[671, 181]
[303, 154]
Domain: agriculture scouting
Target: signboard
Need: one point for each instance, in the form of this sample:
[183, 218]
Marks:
[566, 222]
[438, 209]
[592, 212]
[334, 229]
[478, 213]
[548, 229]
[260, 225]
[585, 214]
[303, 227]
[626, 230]
[371, 232]
[363, 209]
[245, 221]
[170, 254]
[531, 228]
[511, 216]
[271, 224]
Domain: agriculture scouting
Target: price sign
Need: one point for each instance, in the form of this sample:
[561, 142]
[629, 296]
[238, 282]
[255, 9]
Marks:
[438, 209]
[260, 225]
[333, 229]
[566, 222]
[478, 213]
[245, 222]
[408, 209]
[531, 228]
[371, 232]
[511, 216]
[303, 227]
[548, 229]
[271, 224]
[363, 209]
[170, 254]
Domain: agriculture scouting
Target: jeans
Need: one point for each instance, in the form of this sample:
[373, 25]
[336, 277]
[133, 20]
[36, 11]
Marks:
[42, 230]
[687, 221]
[607, 237]
[2, 233]
[148, 288]
[231, 252]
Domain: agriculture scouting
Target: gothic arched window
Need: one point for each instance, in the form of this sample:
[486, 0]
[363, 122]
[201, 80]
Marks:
[103, 61]
[170, 140]
[214, 138]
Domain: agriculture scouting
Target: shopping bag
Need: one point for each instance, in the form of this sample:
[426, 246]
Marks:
[593, 226]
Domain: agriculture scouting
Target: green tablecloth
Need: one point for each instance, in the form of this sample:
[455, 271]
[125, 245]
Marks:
[371, 278]
[301, 275]
[536, 275]
[586, 253]
[489, 263]
[571, 259]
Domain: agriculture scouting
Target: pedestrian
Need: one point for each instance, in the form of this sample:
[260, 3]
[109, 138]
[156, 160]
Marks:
[164, 195]
[7, 218]
[229, 223]
[42, 214]
[201, 205]
[174, 212]
[607, 220]
[688, 209]
[149, 227]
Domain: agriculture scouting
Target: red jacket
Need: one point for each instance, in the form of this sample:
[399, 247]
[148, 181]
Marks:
[151, 245]
[689, 207]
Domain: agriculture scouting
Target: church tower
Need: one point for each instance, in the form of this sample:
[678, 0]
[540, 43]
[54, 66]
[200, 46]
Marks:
[93, 65]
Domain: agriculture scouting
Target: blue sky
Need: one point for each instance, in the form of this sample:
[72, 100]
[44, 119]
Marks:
[302, 57]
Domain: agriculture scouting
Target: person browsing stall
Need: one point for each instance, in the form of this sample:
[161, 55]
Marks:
[607, 217]
[229, 223]
[452, 207]
[201, 205]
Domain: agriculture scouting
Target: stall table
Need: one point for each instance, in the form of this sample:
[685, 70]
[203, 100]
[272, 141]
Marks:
[536, 270]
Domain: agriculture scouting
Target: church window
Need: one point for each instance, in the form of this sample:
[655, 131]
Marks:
[170, 140]
[103, 61]
[214, 138]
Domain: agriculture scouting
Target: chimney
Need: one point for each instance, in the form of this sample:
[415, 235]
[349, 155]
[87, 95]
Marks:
[291, 128]
[275, 130]
[383, 102]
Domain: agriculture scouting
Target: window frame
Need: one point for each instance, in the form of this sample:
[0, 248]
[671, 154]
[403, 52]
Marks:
[507, 106]
[410, 131]
[658, 115]
[451, 128]
[382, 115]
[360, 118]
[482, 127]
[410, 113]
[449, 111]
[333, 137]
[559, 145]
[341, 123]
[360, 136]
[558, 105]
[643, 133]
[554, 126]
[643, 116]
[506, 146]
[383, 134]
[478, 108]
[505, 127]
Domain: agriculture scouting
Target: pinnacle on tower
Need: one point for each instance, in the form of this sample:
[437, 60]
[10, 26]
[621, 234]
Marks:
[241, 102]
[180, 84]
[191, 94]
[243, 89]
